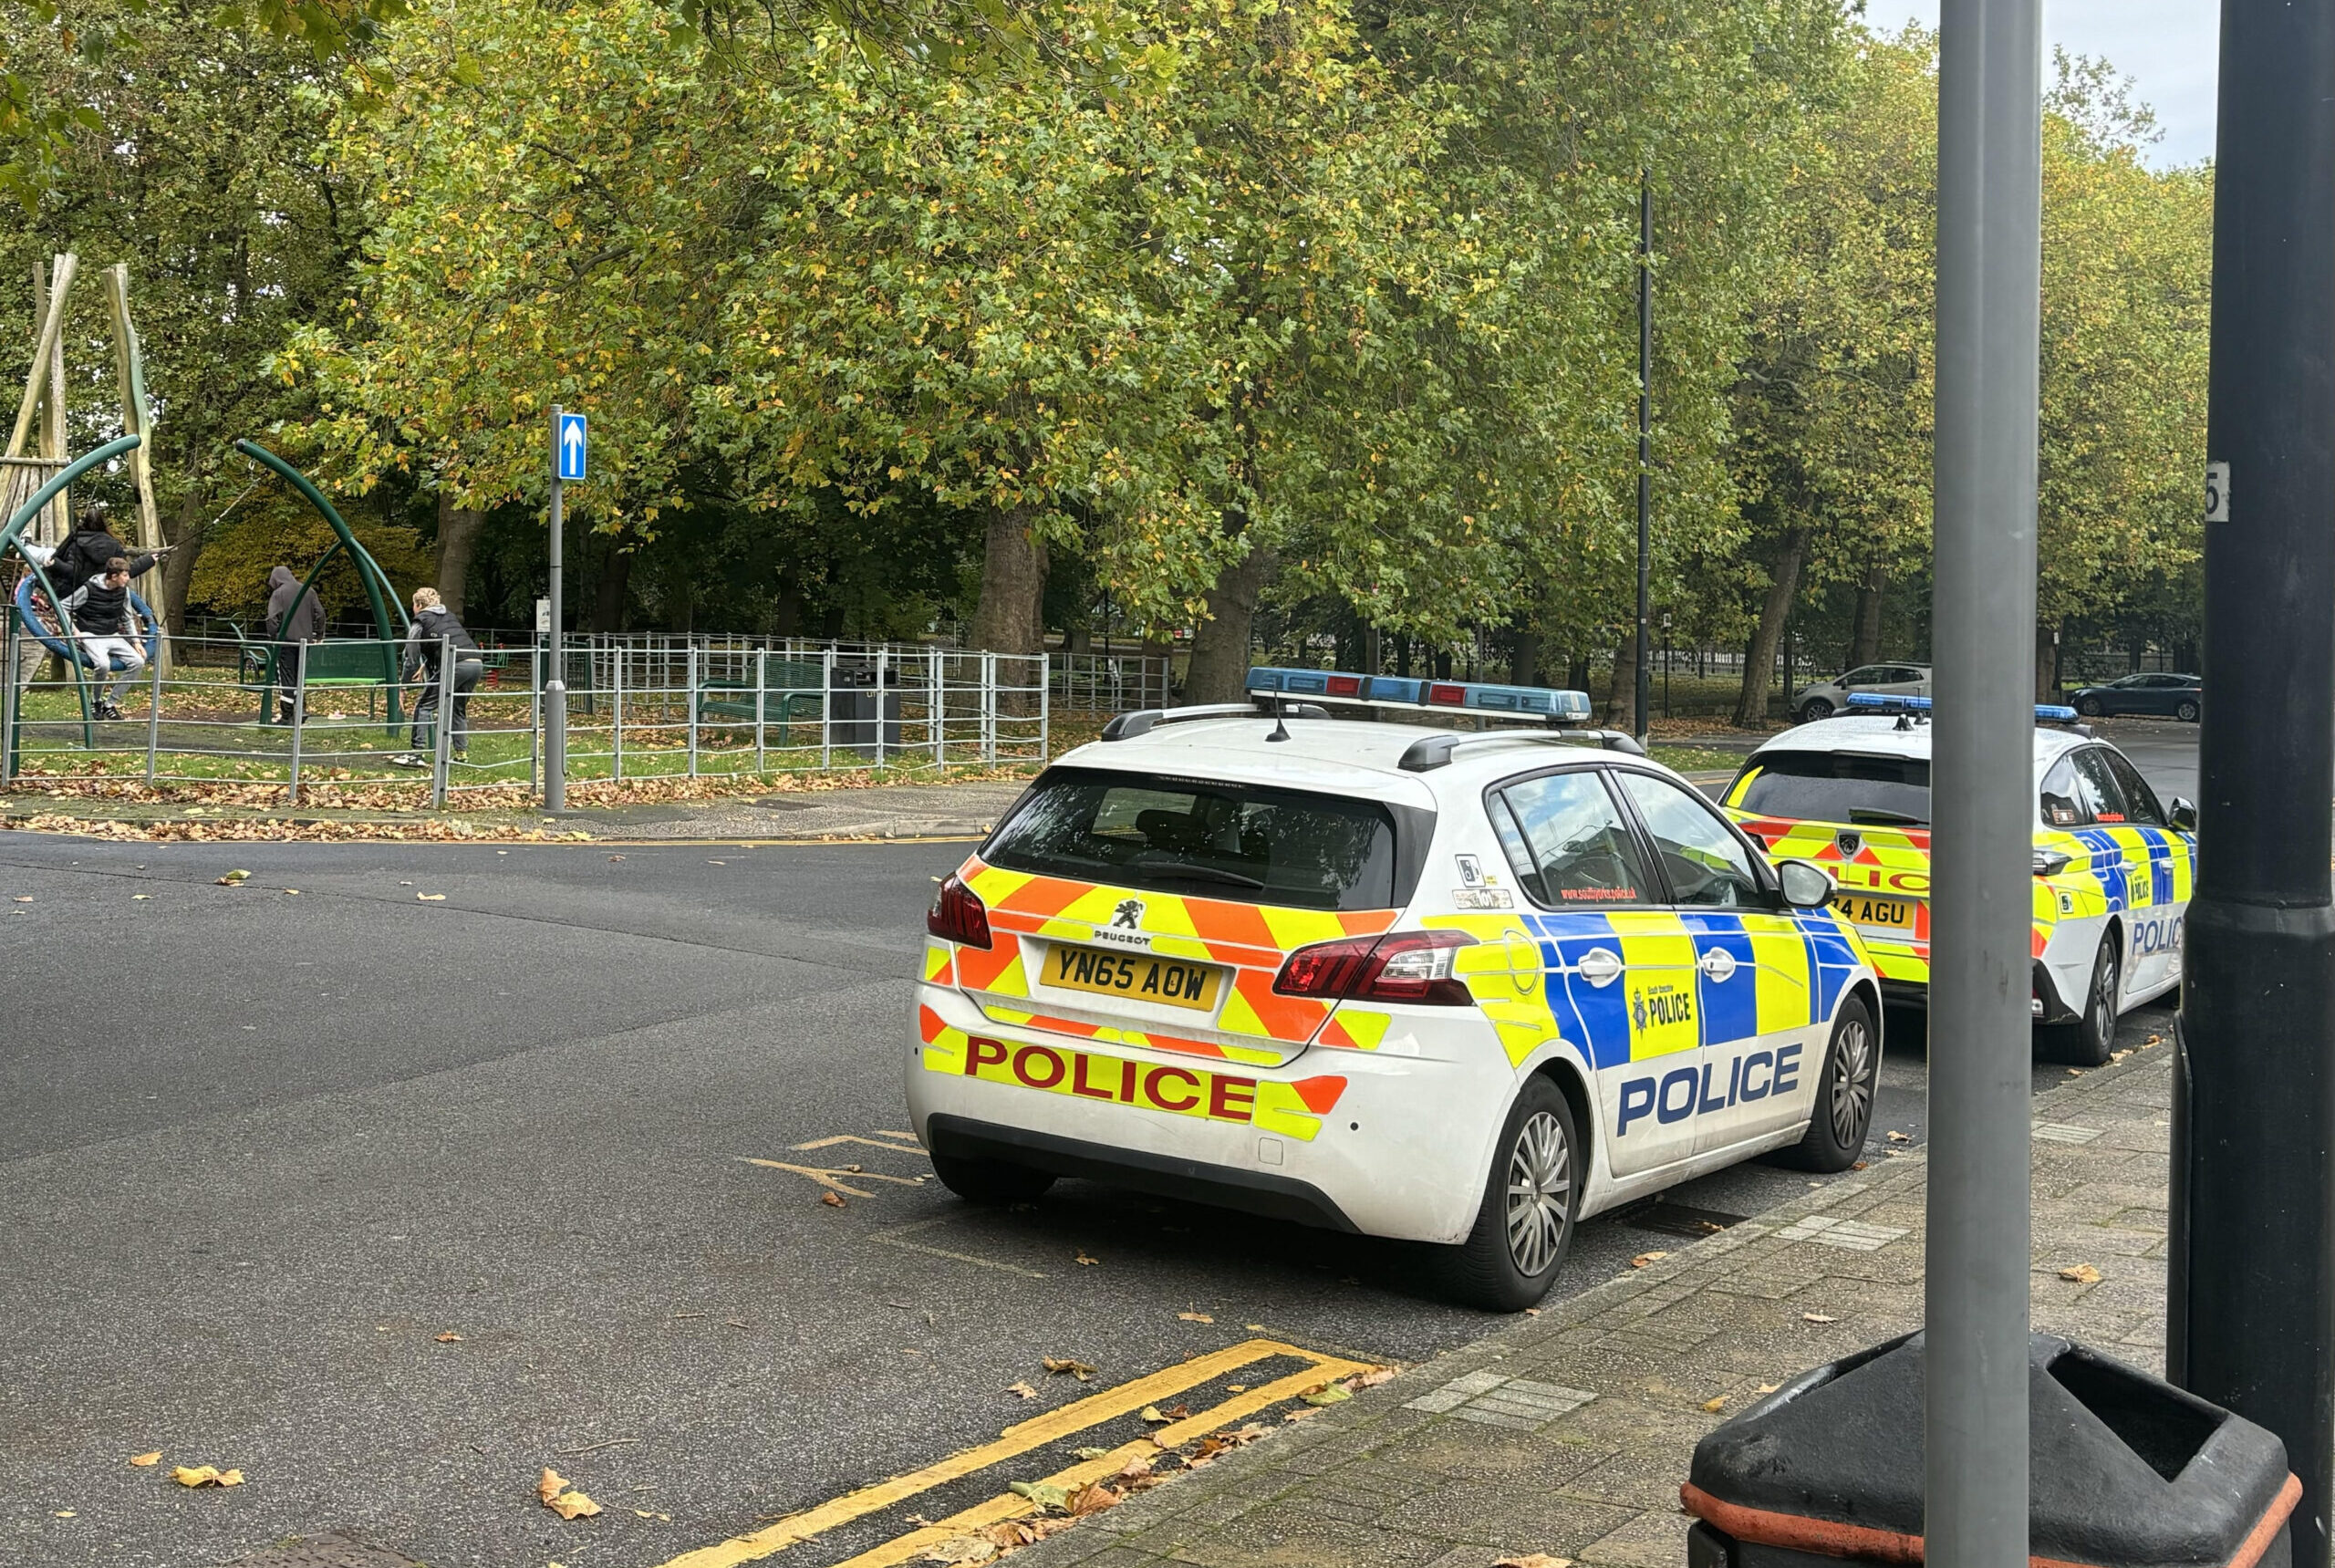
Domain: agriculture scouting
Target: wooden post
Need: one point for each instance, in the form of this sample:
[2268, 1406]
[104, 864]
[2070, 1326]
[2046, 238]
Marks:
[130, 369]
[46, 348]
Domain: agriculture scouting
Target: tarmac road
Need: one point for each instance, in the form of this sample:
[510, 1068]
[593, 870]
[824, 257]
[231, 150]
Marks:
[393, 1191]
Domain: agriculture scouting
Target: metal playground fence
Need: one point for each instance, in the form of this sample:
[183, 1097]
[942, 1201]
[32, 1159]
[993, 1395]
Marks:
[636, 710]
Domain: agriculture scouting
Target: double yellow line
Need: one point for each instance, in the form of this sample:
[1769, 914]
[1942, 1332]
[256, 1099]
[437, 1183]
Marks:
[1021, 1438]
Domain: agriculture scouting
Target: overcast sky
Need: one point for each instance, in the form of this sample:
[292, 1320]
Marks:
[2167, 46]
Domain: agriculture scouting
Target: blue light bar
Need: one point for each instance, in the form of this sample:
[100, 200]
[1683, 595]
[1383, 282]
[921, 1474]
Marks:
[1876, 703]
[1428, 696]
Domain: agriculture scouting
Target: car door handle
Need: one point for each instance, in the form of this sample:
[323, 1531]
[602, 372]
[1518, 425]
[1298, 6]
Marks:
[1599, 966]
[1717, 963]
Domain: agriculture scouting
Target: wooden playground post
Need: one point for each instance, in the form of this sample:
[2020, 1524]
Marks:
[130, 372]
[49, 356]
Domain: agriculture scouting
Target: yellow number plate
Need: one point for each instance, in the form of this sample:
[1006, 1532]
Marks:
[1892, 914]
[1138, 976]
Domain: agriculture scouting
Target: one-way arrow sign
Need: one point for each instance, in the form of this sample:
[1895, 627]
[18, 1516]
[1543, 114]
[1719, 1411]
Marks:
[567, 447]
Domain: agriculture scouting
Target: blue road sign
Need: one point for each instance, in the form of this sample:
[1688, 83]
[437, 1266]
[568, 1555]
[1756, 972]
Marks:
[567, 448]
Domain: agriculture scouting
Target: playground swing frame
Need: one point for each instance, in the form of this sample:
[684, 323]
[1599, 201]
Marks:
[388, 614]
[62, 641]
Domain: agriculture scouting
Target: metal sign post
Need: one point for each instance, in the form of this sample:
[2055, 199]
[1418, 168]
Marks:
[2250, 1288]
[1643, 675]
[1990, 271]
[569, 441]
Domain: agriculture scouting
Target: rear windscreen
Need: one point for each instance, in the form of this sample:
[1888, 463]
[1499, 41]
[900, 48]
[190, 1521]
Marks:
[1837, 786]
[1204, 839]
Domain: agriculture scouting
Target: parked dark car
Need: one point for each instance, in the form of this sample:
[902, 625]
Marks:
[2178, 697]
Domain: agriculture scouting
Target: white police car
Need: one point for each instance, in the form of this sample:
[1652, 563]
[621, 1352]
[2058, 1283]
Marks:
[1454, 988]
[2113, 865]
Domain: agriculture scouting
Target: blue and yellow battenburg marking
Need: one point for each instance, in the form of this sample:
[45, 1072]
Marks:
[1538, 977]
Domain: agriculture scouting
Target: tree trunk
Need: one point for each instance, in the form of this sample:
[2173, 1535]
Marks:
[1622, 701]
[609, 595]
[1372, 651]
[1009, 617]
[2047, 664]
[1220, 667]
[790, 600]
[178, 567]
[1524, 657]
[1751, 705]
[458, 532]
[1865, 647]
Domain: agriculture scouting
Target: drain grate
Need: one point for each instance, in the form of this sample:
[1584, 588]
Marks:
[334, 1551]
[1675, 1219]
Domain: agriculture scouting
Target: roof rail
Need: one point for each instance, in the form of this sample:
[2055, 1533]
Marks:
[1431, 751]
[1128, 726]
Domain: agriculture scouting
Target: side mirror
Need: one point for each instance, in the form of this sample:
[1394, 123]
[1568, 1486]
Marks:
[2182, 814]
[1806, 884]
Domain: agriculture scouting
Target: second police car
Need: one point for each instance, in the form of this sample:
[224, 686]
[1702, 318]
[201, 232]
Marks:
[2113, 865]
[1465, 988]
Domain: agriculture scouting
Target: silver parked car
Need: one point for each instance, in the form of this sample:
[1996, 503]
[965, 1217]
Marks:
[1827, 698]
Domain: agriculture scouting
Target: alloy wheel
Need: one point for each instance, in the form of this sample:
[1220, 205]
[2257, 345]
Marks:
[1851, 1082]
[1539, 1193]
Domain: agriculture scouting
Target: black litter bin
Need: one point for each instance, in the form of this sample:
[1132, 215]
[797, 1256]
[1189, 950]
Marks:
[854, 704]
[2127, 1471]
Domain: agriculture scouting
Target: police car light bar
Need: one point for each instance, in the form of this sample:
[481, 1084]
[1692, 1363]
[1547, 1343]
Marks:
[1541, 702]
[1875, 702]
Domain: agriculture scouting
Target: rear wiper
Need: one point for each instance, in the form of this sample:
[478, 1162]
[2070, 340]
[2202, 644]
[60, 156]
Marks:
[1874, 813]
[1153, 860]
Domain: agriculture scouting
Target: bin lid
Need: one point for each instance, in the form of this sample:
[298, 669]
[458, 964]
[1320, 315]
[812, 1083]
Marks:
[2126, 1471]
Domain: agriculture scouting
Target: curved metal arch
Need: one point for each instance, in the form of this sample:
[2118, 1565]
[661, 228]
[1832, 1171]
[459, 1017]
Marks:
[12, 537]
[367, 569]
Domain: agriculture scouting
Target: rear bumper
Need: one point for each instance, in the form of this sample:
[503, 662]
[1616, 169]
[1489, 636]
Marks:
[1169, 1176]
[1394, 1142]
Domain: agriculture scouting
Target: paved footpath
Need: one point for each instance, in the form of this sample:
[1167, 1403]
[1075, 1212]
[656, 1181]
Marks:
[1569, 1433]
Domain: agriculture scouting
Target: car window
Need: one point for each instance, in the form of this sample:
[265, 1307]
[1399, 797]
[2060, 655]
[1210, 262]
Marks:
[1898, 672]
[2095, 783]
[2064, 805]
[2140, 800]
[1568, 842]
[1205, 838]
[1836, 786]
[1707, 864]
[1870, 675]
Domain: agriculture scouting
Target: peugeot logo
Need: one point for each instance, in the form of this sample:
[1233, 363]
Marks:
[1850, 843]
[1128, 915]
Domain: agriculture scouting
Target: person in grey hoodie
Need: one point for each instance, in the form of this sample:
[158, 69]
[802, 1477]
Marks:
[295, 620]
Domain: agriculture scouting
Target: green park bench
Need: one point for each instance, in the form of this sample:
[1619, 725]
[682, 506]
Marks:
[367, 663]
[795, 692]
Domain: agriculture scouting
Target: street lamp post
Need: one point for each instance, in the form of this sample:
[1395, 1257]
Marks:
[1990, 265]
[1646, 443]
[2250, 1292]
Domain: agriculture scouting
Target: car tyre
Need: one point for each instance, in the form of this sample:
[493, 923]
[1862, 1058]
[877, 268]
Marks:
[2087, 1041]
[1813, 710]
[989, 1180]
[1524, 1228]
[2088, 706]
[1844, 1095]
[2188, 711]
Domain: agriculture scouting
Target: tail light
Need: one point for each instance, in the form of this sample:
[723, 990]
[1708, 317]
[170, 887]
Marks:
[1408, 966]
[958, 914]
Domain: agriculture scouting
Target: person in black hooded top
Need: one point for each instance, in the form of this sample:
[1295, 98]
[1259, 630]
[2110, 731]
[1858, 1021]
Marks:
[295, 620]
[106, 628]
[434, 624]
[88, 547]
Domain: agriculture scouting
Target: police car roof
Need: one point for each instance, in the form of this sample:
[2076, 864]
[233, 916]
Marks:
[1879, 735]
[1332, 756]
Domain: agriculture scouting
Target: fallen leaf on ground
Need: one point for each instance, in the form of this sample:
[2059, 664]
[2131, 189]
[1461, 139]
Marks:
[1767, 1388]
[1092, 1453]
[1195, 1317]
[573, 1505]
[1899, 1137]
[63, 1513]
[1817, 1317]
[1372, 1378]
[1254, 1327]
[231, 879]
[2080, 1274]
[2075, 1071]
[1022, 1389]
[1328, 1393]
[449, 1337]
[1135, 1468]
[2118, 1056]
[206, 1475]
[142, 1460]
[1062, 1364]
[432, 897]
[963, 1550]
[1151, 1413]
[140, 897]
[1040, 1493]
[831, 1200]
[1085, 1259]
[1091, 1499]
[1642, 1258]
[1714, 1406]
[550, 1484]
[1534, 1560]
[1236, 1388]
